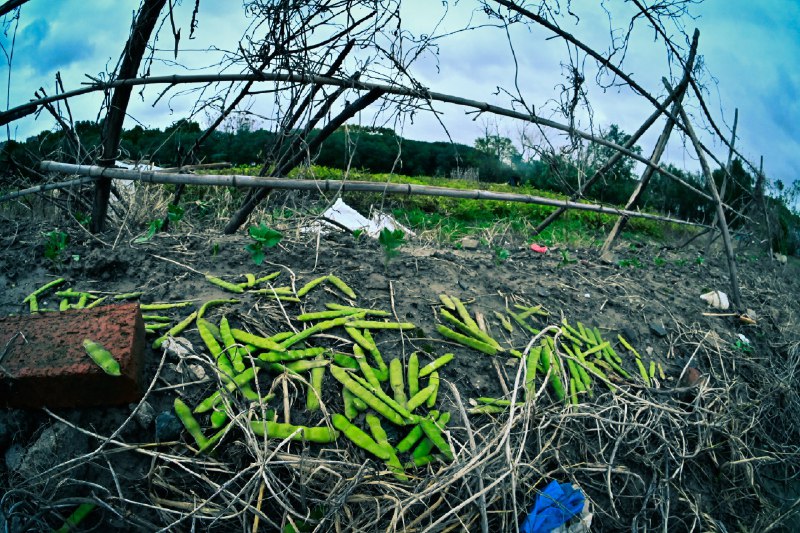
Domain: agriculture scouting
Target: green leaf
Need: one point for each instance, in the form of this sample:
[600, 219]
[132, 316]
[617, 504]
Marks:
[256, 252]
[391, 241]
[265, 235]
[155, 226]
[175, 213]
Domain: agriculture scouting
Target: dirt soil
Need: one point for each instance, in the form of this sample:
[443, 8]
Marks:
[654, 304]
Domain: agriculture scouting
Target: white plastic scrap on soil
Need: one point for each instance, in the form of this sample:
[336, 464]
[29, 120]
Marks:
[351, 219]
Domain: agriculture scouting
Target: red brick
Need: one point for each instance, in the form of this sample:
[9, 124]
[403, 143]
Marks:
[46, 365]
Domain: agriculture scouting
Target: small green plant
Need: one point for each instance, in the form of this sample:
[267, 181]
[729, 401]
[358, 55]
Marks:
[390, 241]
[632, 263]
[175, 213]
[263, 237]
[743, 346]
[501, 255]
[566, 259]
[155, 227]
[214, 249]
[358, 233]
[699, 260]
[659, 261]
[83, 218]
[55, 244]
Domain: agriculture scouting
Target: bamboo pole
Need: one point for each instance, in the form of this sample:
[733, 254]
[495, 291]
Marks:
[723, 224]
[45, 187]
[339, 186]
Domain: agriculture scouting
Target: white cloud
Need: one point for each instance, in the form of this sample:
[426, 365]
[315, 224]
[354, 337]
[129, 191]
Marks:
[750, 47]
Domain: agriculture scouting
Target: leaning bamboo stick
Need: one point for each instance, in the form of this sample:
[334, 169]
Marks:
[343, 186]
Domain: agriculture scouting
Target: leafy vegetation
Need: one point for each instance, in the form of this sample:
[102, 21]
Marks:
[494, 162]
[263, 237]
[390, 241]
[55, 244]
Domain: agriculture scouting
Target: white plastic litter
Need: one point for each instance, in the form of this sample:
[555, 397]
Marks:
[716, 299]
[351, 219]
[743, 338]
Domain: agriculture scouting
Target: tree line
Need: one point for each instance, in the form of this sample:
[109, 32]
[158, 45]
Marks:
[492, 159]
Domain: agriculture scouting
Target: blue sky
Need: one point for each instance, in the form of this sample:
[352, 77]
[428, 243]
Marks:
[749, 51]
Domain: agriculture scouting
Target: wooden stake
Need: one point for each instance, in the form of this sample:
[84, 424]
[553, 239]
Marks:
[712, 237]
[661, 145]
[723, 224]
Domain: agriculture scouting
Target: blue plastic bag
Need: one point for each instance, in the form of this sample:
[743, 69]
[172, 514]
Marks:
[557, 503]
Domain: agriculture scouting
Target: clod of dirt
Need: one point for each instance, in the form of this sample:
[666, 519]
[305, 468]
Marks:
[168, 427]
[57, 444]
[658, 329]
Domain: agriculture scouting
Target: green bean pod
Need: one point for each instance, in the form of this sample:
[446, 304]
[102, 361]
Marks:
[343, 377]
[350, 410]
[218, 418]
[189, 422]
[359, 438]
[174, 330]
[96, 302]
[396, 381]
[555, 379]
[234, 353]
[257, 341]
[276, 430]
[228, 286]
[413, 374]
[433, 432]
[627, 345]
[504, 321]
[310, 285]
[316, 328]
[203, 308]
[366, 311]
[436, 364]
[466, 341]
[447, 302]
[325, 315]
[342, 286]
[643, 371]
[128, 296]
[531, 365]
[367, 370]
[433, 384]
[345, 361]
[572, 392]
[315, 387]
[471, 329]
[43, 288]
[521, 322]
[374, 324]
[102, 357]
[77, 516]
[419, 398]
[161, 306]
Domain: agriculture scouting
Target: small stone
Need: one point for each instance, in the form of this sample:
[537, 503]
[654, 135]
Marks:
[12, 421]
[658, 329]
[464, 286]
[13, 457]
[630, 334]
[145, 415]
[469, 244]
[168, 427]
[542, 292]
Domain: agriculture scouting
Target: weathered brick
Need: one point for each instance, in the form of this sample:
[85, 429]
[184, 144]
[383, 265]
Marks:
[44, 363]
